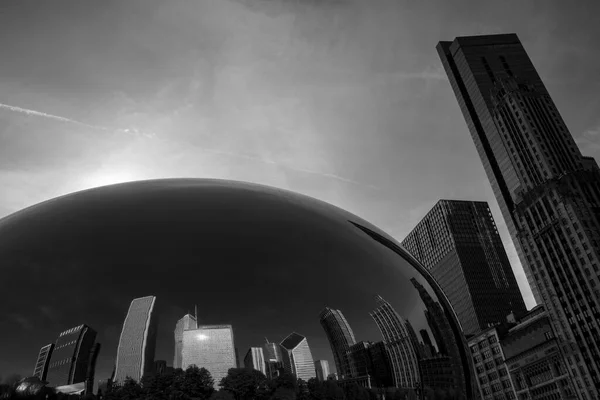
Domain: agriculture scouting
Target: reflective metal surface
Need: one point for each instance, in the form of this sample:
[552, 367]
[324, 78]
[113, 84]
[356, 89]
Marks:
[266, 261]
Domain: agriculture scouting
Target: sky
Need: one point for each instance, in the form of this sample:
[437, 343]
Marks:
[342, 100]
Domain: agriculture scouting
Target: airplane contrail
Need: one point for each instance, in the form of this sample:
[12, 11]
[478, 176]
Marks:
[51, 116]
[203, 149]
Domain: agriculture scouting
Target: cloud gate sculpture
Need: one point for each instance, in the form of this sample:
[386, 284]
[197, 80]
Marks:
[242, 275]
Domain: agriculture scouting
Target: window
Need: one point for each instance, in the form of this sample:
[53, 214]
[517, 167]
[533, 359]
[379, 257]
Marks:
[548, 335]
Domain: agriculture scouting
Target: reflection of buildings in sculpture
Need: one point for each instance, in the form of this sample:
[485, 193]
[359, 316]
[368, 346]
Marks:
[332, 376]
[362, 381]
[488, 358]
[160, 367]
[187, 322]
[70, 360]
[370, 360]
[437, 373]
[211, 347]
[398, 344]
[322, 369]
[255, 359]
[43, 360]
[91, 369]
[297, 358]
[535, 361]
[412, 335]
[135, 354]
[429, 349]
[443, 335]
[273, 359]
[340, 337]
[458, 243]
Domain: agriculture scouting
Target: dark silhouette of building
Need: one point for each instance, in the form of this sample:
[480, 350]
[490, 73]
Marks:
[43, 360]
[70, 361]
[457, 241]
[91, 369]
[340, 337]
[382, 370]
[160, 367]
[547, 191]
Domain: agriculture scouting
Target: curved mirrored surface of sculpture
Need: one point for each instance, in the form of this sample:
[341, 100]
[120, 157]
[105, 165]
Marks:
[167, 274]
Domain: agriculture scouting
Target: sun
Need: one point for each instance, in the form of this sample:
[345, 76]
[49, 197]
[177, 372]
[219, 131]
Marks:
[105, 177]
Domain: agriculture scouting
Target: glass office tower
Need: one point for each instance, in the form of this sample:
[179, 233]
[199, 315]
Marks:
[459, 244]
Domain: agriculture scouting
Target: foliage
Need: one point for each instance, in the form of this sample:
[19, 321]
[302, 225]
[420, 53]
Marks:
[246, 384]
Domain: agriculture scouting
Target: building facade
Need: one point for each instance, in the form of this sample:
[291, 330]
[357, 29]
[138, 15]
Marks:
[322, 369]
[549, 194]
[71, 356]
[403, 357]
[535, 361]
[297, 357]
[458, 242]
[137, 343]
[187, 322]
[211, 347]
[43, 360]
[273, 359]
[340, 337]
[489, 360]
[255, 359]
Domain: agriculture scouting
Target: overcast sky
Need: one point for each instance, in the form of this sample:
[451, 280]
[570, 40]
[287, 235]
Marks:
[343, 100]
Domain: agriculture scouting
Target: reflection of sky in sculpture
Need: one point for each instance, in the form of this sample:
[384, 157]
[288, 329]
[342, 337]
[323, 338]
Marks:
[264, 260]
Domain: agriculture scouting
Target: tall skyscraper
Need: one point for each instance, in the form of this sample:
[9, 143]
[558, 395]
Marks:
[322, 369]
[255, 359]
[297, 357]
[398, 344]
[273, 359]
[43, 360]
[547, 191]
[70, 358]
[341, 338]
[186, 323]
[457, 241]
[137, 344]
[211, 347]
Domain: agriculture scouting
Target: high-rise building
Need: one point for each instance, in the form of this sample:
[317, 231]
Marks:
[549, 194]
[273, 359]
[211, 347]
[297, 357]
[380, 360]
[70, 358]
[137, 344]
[457, 241]
[341, 338]
[43, 360]
[255, 359]
[186, 323]
[398, 344]
[160, 367]
[322, 369]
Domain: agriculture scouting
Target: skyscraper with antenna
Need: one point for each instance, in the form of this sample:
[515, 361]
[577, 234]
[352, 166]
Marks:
[186, 323]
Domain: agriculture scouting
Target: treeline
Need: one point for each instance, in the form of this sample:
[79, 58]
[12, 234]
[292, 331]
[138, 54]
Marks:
[239, 384]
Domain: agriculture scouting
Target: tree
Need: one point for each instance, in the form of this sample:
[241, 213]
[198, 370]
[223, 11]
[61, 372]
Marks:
[197, 383]
[245, 384]
[332, 391]
[222, 395]
[285, 380]
[131, 390]
[283, 393]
